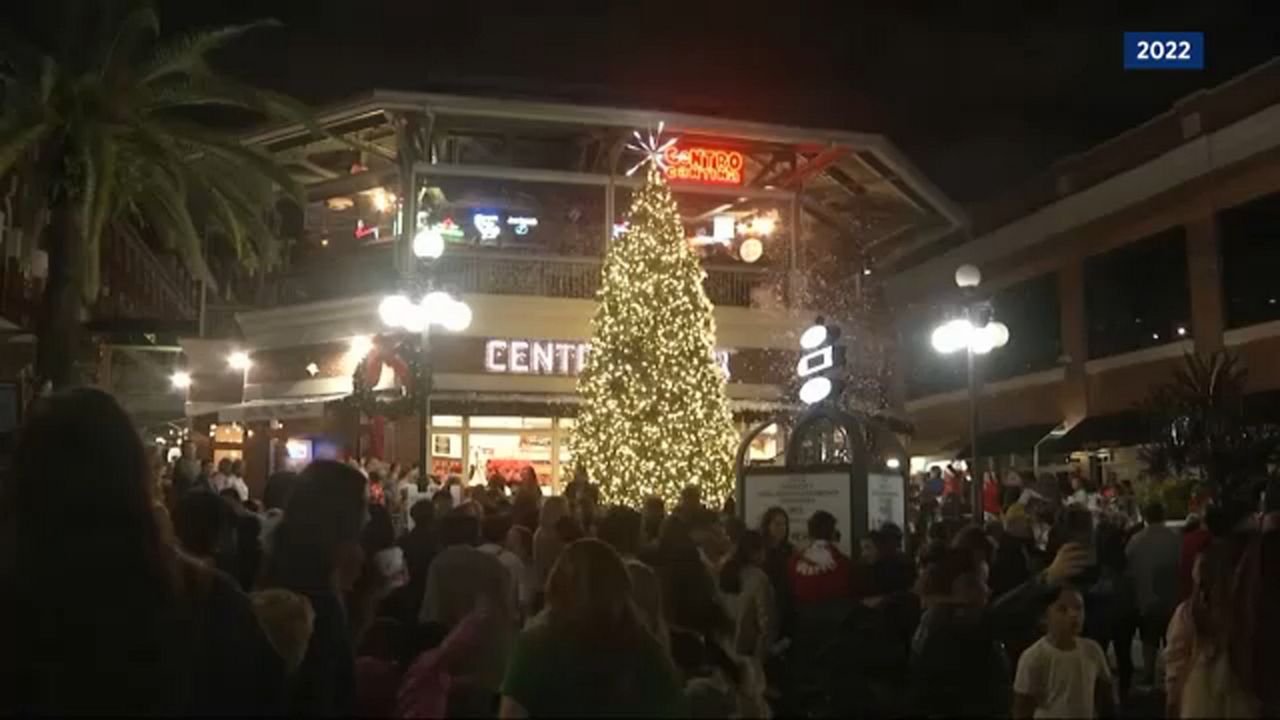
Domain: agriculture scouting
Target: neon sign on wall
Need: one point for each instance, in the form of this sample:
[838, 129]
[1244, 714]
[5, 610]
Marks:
[711, 166]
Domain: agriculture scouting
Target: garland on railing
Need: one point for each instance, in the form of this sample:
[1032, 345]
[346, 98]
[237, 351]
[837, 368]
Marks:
[401, 355]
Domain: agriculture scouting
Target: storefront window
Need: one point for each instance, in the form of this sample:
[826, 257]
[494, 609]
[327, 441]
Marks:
[1250, 259]
[506, 454]
[764, 446]
[1030, 310]
[1137, 296]
[508, 422]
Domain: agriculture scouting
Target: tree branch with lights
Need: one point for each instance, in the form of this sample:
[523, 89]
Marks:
[655, 416]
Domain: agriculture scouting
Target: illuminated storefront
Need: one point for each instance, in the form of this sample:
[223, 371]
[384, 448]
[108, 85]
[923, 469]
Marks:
[527, 197]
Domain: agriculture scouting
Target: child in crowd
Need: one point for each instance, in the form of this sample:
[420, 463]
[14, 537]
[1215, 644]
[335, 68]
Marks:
[287, 619]
[1063, 675]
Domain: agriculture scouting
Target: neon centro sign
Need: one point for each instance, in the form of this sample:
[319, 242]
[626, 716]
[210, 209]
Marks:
[709, 166]
[549, 357]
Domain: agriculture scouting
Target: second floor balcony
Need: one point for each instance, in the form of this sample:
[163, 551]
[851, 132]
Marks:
[370, 270]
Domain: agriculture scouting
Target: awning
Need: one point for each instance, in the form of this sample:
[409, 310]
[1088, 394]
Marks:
[277, 409]
[1122, 429]
[448, 403]
[1009, 441]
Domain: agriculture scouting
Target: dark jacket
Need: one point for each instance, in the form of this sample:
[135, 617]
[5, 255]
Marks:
[325, 684]
[958, 662]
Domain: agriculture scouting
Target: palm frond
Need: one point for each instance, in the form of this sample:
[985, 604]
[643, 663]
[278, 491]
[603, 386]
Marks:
[17, 138]
[140, 22]
[164, 207]
[187, 54]
[250, 159]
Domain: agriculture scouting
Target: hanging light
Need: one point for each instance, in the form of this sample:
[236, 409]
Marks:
[239, 360]
[181, 380]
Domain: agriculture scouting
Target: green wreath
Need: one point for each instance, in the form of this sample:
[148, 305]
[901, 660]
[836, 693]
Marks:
[401, 354]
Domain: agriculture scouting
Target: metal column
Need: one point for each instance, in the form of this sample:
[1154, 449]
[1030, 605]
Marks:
[975, 473]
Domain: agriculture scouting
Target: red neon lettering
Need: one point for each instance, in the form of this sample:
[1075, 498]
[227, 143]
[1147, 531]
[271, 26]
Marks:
[704, 165]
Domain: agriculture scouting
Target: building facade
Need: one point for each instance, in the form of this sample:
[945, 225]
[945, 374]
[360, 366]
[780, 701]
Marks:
[788, 222]
[1108, 270]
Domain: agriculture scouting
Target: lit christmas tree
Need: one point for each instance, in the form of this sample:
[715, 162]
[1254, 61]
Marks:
[654, 416]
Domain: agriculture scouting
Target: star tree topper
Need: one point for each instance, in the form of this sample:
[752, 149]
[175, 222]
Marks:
[652, 147]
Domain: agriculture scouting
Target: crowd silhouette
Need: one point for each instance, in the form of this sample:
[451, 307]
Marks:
[356, 590]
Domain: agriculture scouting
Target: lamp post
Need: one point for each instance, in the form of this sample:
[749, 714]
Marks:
[975, 332]
[436, 307]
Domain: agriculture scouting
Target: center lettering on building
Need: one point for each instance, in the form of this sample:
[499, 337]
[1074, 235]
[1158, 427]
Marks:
[549, 357]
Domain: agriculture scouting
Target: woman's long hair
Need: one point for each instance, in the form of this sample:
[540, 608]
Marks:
[1251, 630]
[750, 546]
[589, 595]
[326, 510]
[88, 579]
[767, 519]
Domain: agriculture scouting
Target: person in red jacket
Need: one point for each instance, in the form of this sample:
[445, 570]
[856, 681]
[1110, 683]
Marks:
[990, 493]
[821, 572]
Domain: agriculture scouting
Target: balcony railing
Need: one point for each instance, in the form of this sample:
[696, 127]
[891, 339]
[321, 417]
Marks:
[492, 274]
[136, 284]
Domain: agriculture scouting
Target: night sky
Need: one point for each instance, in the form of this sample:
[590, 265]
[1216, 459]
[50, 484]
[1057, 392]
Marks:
[979, 94]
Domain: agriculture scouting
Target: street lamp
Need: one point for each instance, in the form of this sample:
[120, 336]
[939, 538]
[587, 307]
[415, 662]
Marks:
[436, 307]
[977, 334]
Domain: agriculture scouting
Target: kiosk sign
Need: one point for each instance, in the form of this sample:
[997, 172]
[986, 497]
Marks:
[802, 494]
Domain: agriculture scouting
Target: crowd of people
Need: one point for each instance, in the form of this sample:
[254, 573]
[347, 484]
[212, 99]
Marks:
[343, 591]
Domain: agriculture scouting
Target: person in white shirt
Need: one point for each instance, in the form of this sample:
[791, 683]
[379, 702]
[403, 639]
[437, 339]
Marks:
[235, 480]
[1063, 675]
[220, 480]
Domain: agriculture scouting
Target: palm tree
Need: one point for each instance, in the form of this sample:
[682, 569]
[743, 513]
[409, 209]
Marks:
[118, 131]
[1200, 429]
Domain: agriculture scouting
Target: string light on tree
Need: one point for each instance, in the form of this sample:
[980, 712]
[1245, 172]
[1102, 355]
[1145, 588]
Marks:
[655, 416]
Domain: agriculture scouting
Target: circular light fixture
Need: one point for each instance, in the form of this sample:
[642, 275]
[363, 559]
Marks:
[813, 337]
[181, 380]
[436, 306]
[415, 320]
[968, 276]
[428, 243]
[815, 390]
[750, 250]
[893, 463]
[394, 309]
[239, 360]
[951, 336]
[458, 318]
[999, 333]
[981, 342]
